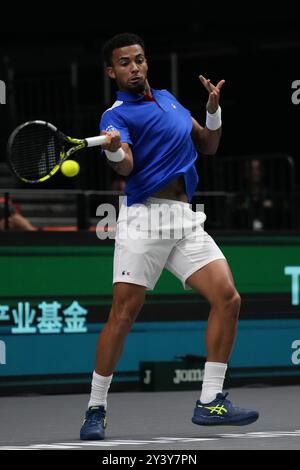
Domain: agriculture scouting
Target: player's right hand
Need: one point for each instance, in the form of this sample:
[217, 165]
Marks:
[113, 141]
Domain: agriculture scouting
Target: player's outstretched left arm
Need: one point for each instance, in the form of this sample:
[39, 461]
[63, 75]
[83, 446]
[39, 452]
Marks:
[207, 139]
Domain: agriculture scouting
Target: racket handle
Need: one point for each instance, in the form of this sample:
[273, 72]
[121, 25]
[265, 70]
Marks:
[95, 141]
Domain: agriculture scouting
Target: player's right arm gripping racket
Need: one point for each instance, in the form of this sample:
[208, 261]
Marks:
[36, 150]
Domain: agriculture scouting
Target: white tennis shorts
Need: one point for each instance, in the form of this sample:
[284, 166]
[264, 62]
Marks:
[158, 234]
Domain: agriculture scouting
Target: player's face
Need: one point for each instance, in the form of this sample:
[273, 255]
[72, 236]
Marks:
[129, 68]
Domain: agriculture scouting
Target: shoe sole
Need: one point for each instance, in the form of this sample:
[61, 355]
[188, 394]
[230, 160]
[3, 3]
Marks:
[92, 437]
[249, 420]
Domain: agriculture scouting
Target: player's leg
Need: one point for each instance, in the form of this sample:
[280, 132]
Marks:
[215, 282]
[201, 265]
[138, 263]
[127, 302]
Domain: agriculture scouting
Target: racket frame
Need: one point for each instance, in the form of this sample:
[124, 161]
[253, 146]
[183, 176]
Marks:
[77, 144]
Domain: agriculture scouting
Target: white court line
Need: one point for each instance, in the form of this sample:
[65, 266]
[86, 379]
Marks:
[15, 448]
[186, 439]
[50, 446]
[156, 440]
[263, 434]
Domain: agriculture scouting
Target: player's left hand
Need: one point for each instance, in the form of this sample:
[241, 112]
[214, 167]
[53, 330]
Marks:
[214, 93]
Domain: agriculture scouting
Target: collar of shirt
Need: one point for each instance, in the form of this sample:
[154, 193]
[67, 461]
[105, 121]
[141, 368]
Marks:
[130, 97]
[157, 97]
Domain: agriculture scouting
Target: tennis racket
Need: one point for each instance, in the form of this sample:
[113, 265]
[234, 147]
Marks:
[36, 150]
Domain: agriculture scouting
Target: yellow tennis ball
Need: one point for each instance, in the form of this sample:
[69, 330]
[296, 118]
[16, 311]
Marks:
[70, 168]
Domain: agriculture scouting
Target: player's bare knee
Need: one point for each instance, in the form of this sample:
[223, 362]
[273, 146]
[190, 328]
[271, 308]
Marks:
[127, 298]
[233, 304]
[123, 315]
[129, 307]
[228, 302]
[120, 325]
[236, 303]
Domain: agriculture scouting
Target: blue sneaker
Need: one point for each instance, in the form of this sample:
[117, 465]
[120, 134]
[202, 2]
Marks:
[93, 428]
[221, 412]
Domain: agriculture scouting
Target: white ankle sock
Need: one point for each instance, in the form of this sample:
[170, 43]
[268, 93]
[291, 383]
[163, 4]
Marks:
[100, 386]
[214, 375]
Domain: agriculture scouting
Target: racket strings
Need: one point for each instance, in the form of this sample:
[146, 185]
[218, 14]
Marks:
[35, 151]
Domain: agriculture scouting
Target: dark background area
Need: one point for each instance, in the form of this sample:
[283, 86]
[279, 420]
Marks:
[257, 53]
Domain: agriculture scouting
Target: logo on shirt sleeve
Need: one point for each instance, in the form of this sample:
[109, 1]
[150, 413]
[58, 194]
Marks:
[111, 128]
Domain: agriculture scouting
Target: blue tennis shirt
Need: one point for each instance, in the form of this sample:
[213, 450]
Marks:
[159, 133]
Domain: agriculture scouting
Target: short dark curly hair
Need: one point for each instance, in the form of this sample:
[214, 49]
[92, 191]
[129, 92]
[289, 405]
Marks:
[120, 40]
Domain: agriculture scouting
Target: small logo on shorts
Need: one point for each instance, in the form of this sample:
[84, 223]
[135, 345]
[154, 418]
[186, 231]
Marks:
[125, 273]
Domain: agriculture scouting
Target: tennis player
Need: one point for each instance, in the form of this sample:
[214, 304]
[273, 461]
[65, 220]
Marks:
[152, 140]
